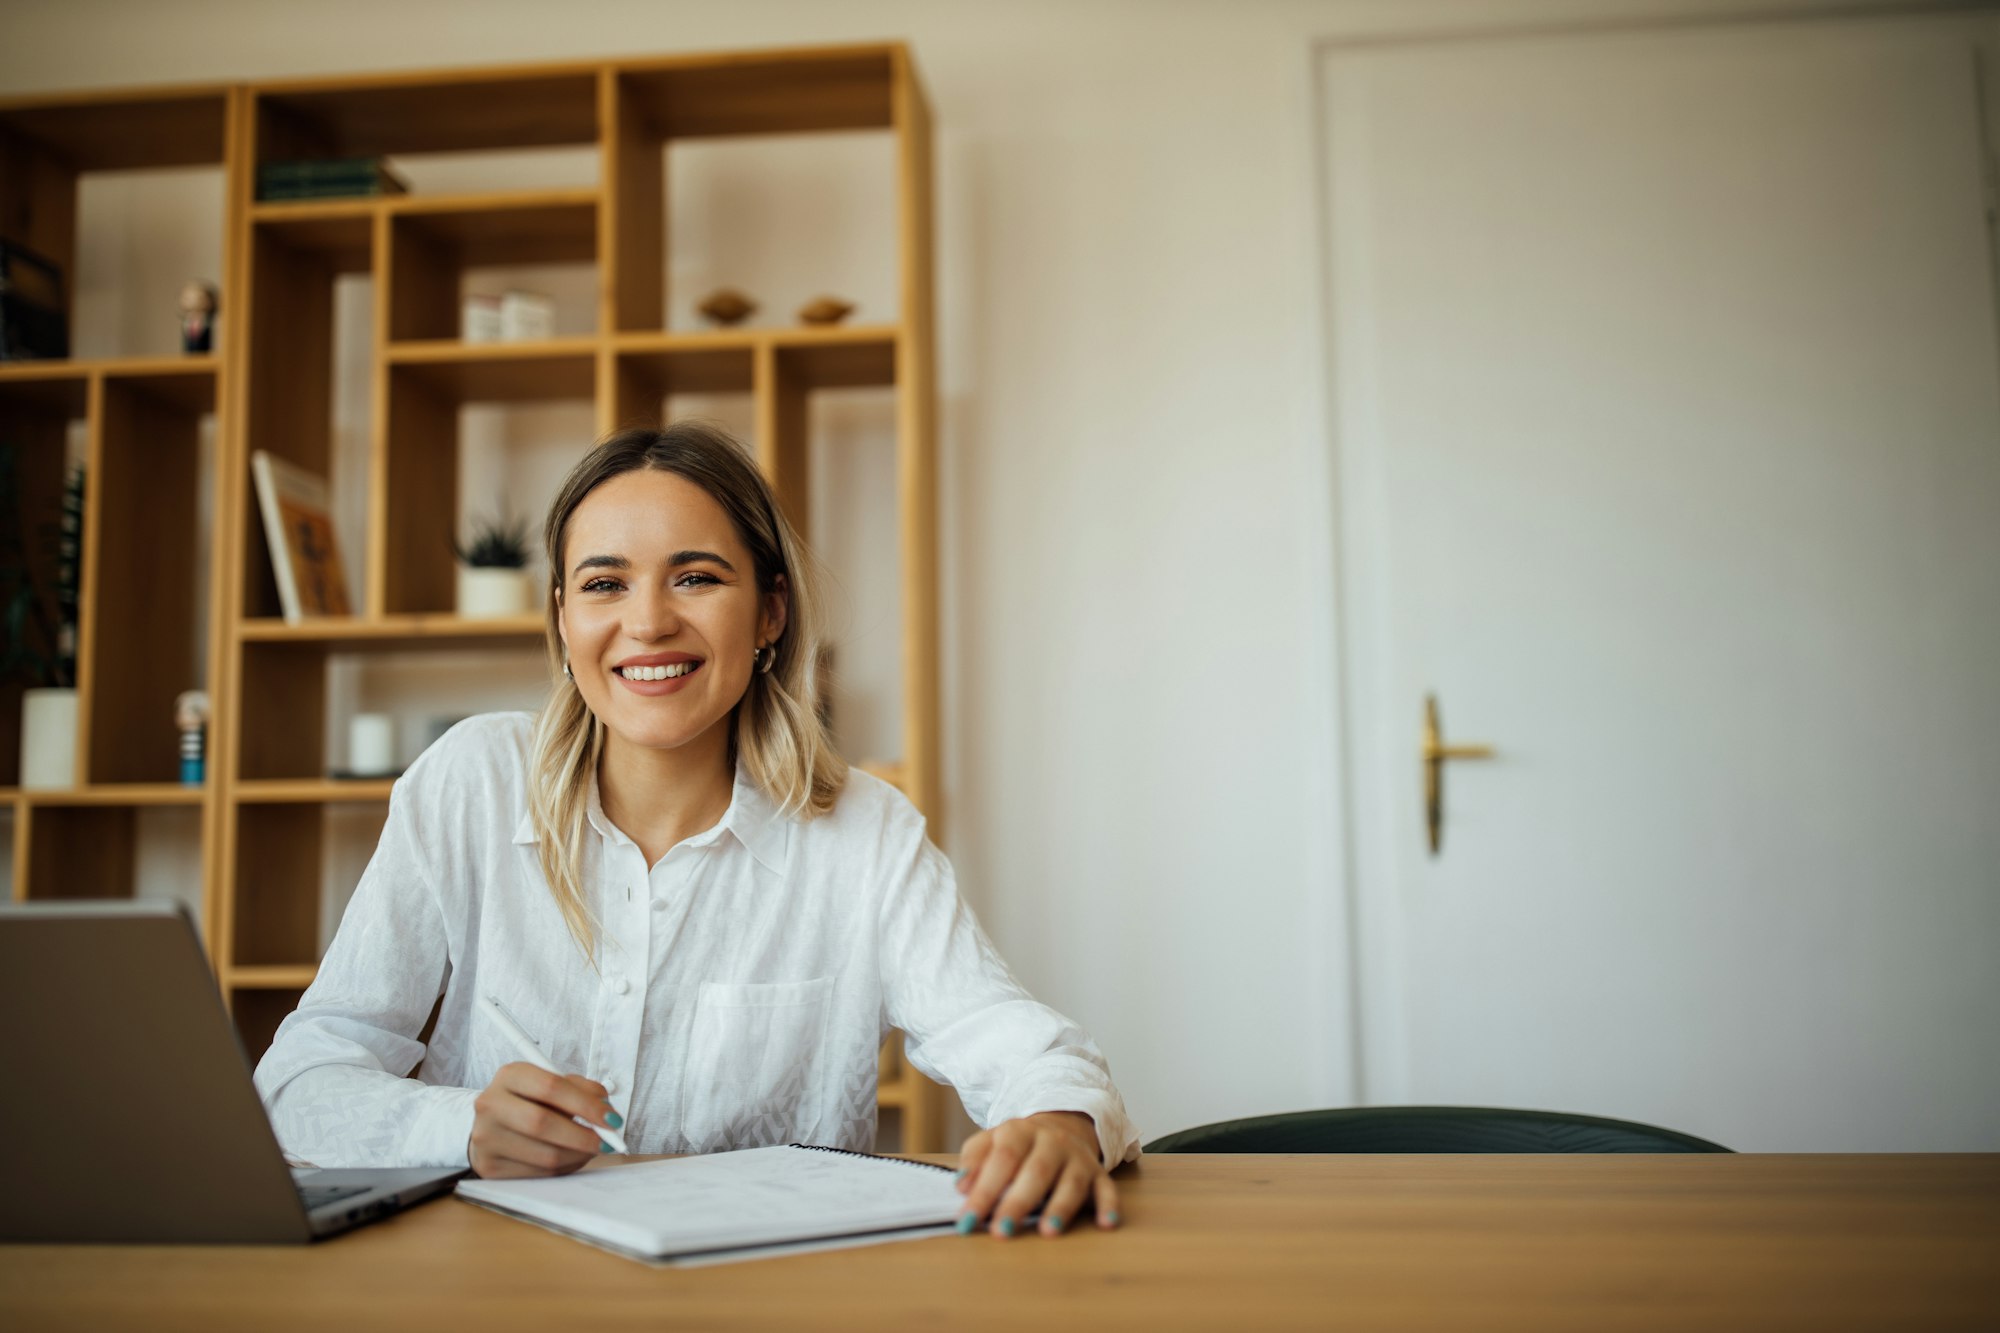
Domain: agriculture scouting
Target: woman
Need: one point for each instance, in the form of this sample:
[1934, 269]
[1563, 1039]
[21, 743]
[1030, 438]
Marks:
[679, 890]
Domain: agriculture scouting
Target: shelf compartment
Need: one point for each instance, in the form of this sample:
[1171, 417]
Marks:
[311, 289]
[144, 570]
[701, 103]
[277, 879]
[49, 144]
[41, 405]
[294, 268]
[428, 385]
[832, 448]
[435, 244]
[792, 365]
[257, 1010]
[77, 851]
[281, 738]
[449, 112]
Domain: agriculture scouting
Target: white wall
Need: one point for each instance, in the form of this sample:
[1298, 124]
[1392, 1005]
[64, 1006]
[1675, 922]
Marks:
[1138, 624]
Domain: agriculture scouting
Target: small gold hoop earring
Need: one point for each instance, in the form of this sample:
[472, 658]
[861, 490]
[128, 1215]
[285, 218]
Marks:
[766, 657]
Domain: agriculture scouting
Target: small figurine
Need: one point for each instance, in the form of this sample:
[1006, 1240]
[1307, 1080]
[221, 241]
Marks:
[825, 310]
[191, 716]
[198, 305]
[727, 306]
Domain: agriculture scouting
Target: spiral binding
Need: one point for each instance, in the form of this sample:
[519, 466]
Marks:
[871, 1156]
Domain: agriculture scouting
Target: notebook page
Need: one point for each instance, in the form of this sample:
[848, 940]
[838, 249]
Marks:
[750, 1197]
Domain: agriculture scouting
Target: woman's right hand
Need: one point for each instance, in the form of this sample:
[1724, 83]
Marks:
[522, 1126]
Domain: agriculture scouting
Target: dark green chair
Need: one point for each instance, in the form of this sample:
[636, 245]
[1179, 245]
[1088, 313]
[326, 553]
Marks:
[1429, 1129]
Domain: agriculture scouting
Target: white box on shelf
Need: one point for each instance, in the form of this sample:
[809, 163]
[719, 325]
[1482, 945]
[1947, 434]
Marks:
[482, 319]
[526, 317]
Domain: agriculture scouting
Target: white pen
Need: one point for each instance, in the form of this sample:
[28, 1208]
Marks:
[524, 1046]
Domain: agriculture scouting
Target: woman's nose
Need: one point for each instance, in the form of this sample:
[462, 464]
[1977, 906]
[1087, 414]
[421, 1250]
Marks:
[652, 617]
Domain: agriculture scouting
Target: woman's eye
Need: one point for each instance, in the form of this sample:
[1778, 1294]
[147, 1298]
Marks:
[696, 580]
[601, 585]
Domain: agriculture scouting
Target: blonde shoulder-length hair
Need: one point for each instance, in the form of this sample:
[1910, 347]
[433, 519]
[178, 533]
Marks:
[776, 731]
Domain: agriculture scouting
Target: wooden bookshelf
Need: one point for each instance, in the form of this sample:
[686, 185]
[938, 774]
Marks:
[270, 387]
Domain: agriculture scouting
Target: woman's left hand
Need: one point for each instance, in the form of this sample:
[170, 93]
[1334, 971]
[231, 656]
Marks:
[1049, 1160]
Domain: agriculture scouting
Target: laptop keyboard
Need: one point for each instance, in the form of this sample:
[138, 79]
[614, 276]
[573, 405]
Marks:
[319, 1196]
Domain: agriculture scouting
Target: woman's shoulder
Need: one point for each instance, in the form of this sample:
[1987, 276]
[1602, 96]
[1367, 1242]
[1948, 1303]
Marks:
[868, 813]
[484, 750]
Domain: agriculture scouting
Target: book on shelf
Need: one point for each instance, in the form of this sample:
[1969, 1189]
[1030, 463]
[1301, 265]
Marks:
[328, 179]
[33, 323]
[298, 527]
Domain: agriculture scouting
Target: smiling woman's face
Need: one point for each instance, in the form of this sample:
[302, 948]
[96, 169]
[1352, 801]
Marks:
[661, 615]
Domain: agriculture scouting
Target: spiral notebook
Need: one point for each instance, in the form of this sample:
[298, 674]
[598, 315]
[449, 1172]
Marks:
[735, 1205]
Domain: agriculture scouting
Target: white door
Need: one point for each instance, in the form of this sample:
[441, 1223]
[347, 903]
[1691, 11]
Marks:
[1666, 406]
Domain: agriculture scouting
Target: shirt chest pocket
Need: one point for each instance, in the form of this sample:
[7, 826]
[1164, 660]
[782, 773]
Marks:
[754, 1063]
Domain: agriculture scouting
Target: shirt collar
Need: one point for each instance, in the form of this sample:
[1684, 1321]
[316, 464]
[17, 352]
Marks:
[751, 819]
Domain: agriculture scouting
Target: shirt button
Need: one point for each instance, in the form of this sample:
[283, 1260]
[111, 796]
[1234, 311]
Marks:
[619, 985]
[610, 1083]
[659, 904]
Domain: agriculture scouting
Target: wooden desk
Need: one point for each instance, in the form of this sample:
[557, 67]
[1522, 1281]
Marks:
[1238, 1242]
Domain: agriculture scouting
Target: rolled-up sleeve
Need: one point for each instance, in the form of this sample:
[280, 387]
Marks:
[969, 1023]
[334, 1081]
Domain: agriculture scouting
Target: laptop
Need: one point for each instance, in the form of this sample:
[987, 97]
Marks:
[129, 1113]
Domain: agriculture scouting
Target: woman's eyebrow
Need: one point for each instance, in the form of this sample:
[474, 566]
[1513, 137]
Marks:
[679, 558]
[674, 561]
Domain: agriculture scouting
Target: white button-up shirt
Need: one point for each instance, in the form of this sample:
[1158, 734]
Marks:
[743, 984]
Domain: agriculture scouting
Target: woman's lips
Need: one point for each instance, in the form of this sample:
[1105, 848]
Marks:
[667, 686]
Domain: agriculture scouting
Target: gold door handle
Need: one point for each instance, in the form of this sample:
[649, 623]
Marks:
[1435, 752]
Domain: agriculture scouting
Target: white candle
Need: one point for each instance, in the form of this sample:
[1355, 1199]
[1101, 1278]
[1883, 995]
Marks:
[371, 743]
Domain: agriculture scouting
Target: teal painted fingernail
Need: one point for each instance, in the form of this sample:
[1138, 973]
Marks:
[1111, 1218]
[967, 1223]
[1006, 1226]
[613, 1119]
[1055, 1223]
[603, 1146]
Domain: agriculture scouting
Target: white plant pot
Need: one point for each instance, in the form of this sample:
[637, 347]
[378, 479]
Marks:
[486, 593]
[48, 738]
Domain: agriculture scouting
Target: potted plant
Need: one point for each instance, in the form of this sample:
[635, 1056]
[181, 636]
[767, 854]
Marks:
[493, 571]
[40, 638]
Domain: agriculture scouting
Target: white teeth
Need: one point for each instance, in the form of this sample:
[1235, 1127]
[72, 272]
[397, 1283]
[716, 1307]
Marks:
[656, 672]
